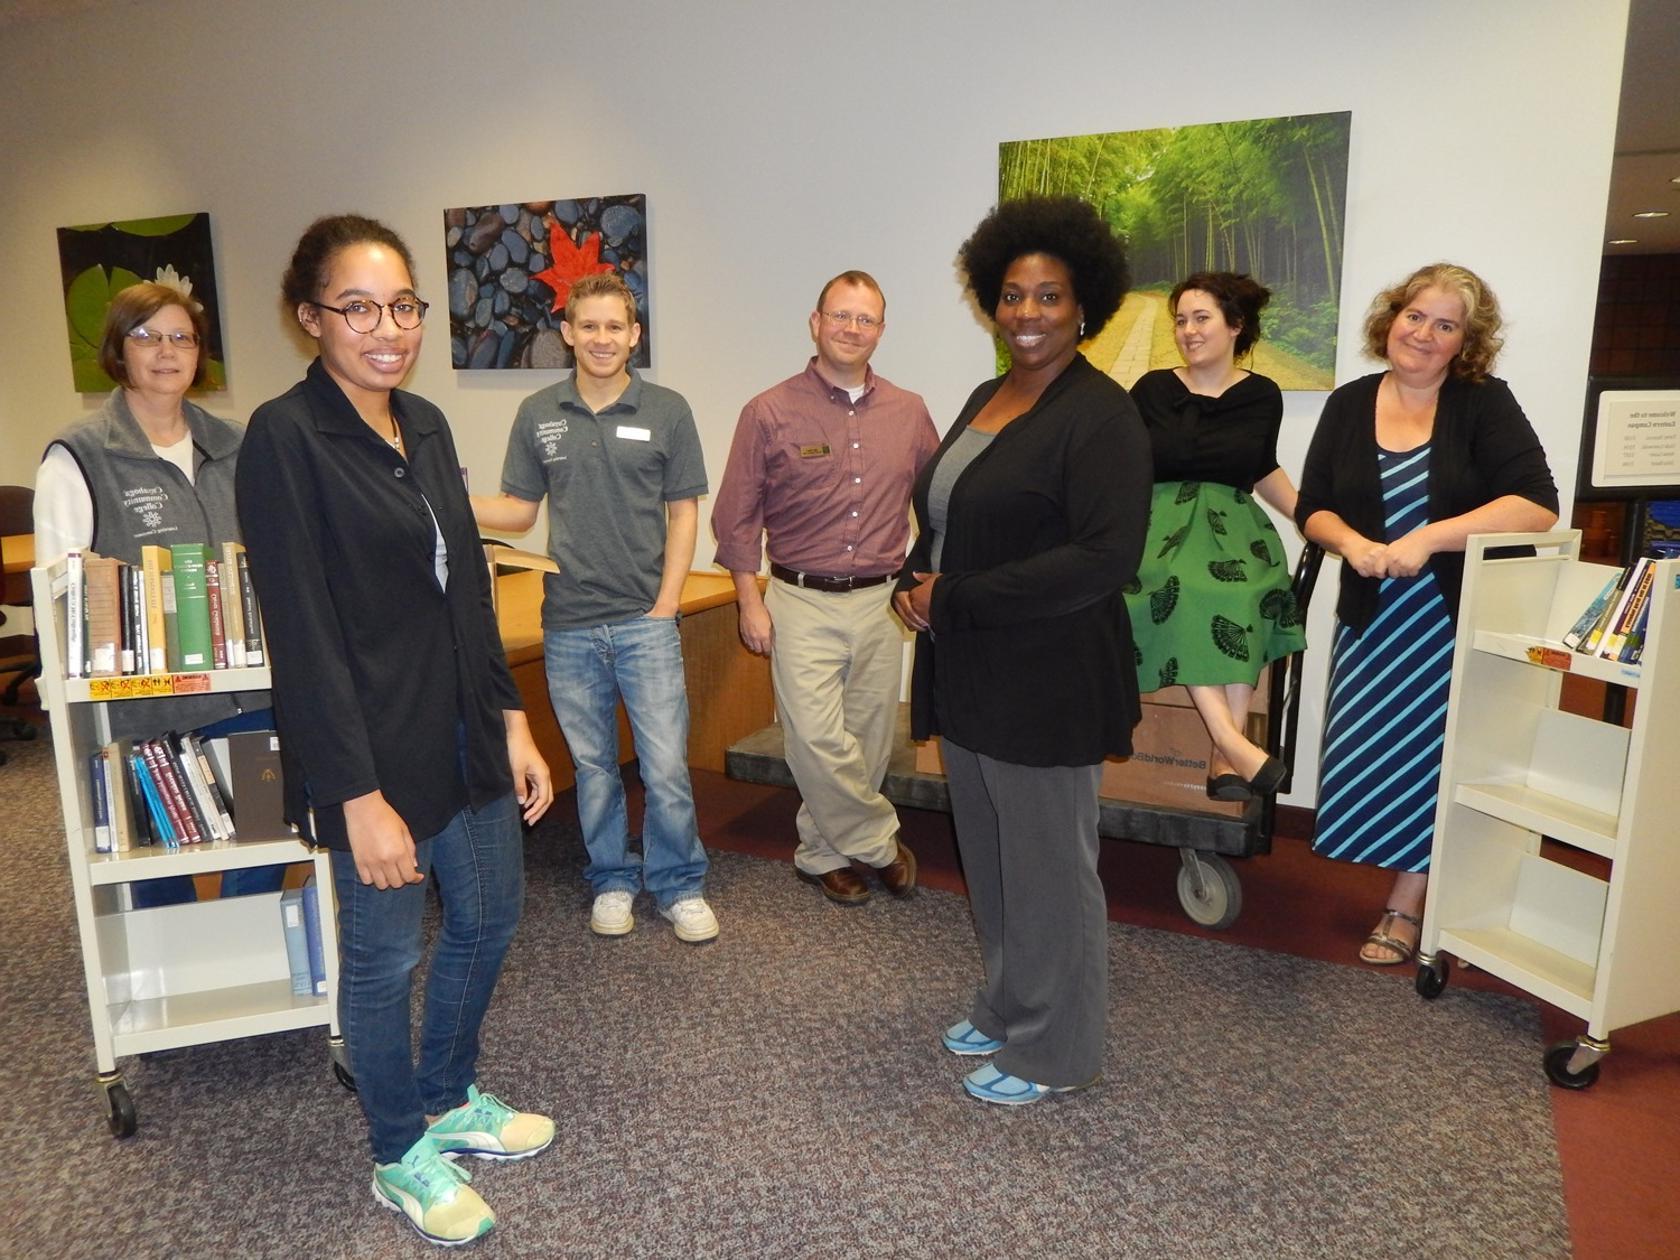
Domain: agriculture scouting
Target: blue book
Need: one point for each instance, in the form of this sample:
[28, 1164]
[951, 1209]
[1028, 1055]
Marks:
[312, 936]
[161, 826]
[297, 941]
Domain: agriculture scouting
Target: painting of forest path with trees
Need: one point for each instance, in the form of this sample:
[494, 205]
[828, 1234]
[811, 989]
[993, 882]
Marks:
[1265, 196]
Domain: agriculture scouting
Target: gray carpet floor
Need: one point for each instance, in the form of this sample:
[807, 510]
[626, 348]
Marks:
[782, 1093]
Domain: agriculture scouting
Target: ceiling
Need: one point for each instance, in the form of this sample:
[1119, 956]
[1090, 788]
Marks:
[1646, 170]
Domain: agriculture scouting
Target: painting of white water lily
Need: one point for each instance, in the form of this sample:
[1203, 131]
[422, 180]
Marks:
[100, 260]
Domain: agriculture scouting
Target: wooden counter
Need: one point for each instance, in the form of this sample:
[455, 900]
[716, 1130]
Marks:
[729, 693]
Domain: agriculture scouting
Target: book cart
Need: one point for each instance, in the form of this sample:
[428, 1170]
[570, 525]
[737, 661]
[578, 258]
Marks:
[1516, 769]
[164, 977]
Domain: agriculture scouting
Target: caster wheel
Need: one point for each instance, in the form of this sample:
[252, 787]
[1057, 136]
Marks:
[1432, 978]
[122, 1117]
[1557, 1067]
[1219, 901]
[341, 1063]
[342, 1075]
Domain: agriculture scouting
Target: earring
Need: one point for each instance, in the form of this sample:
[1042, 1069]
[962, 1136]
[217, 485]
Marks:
[1082, 328]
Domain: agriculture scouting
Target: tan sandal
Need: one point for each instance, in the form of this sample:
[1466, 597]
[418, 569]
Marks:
[1403, 953]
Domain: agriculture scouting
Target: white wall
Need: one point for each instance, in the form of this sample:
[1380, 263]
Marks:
[779, 143]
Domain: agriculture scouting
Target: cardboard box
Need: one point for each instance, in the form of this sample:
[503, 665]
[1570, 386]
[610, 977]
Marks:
[1168, 765]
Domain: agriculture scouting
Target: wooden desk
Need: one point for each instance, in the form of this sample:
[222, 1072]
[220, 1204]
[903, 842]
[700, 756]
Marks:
[729, 693]
[17, 552]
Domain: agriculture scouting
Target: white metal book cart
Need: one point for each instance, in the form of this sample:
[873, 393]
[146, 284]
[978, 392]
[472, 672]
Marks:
[168, 976]
[1515, 769]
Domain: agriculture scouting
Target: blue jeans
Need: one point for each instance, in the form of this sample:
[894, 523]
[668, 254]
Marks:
[478, 864]
[588, 670]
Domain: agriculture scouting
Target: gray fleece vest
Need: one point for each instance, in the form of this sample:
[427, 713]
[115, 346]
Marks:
[140, 498]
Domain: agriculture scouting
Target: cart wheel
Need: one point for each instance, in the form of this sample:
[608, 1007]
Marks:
[341, 1063]
[1557, 1067]
[1432, 977]
[122, 1117]
[1218, 902]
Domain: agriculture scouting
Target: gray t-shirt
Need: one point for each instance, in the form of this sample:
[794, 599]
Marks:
[958, 456]
[607, 478]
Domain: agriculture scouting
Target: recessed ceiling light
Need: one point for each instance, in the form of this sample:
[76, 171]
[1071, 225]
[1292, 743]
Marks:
[1625, 240]
[1651, 214]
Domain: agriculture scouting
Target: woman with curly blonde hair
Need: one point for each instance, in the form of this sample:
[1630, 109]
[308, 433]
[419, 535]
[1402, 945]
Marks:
[1405, 465]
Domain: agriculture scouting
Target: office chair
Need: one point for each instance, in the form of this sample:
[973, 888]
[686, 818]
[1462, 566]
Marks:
[20, 654]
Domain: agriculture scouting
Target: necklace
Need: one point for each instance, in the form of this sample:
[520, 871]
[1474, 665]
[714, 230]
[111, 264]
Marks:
[395, 440]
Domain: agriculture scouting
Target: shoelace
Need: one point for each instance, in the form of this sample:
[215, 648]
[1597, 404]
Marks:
[435, 1169]
[489, 1107]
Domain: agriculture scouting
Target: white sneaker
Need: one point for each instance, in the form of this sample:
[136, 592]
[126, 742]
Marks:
[611, 914]
[693, 919]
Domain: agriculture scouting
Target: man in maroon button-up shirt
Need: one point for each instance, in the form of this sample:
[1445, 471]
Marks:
[824, 463]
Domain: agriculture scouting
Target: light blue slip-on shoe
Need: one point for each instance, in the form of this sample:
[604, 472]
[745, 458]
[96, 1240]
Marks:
[990, 1085]
[966, 1039]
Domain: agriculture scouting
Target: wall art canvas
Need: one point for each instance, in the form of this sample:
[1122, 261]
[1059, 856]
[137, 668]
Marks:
[511, 267]
[1266, 196]
[99, 260]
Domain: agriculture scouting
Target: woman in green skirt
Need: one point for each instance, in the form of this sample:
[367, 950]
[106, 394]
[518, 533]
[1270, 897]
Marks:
[1212, 603]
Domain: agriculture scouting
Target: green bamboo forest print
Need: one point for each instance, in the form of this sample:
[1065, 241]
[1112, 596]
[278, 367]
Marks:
[1266, 196]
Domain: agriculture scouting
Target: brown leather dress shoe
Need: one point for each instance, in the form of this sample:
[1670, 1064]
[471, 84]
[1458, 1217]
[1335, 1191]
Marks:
[899, 875]
[843, 886]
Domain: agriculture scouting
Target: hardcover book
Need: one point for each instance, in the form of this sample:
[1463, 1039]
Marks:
[192, 605]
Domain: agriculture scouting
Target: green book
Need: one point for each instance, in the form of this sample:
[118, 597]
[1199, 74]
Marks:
[192, 606]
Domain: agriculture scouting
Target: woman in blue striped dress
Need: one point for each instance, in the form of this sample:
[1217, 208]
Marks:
[1405, 465]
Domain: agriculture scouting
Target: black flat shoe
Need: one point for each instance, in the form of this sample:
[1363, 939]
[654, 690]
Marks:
[1268, 778]
[1228, 787]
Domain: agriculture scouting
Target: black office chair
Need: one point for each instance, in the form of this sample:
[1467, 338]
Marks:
[20, 654]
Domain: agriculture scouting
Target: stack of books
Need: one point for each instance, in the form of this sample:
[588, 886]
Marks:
[159, 791]
[300, 919]
[189, 609]
[1613, 625]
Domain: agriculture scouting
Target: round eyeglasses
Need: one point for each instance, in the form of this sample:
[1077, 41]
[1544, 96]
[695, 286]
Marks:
[841, 319]
[151, 339]
[363, 314]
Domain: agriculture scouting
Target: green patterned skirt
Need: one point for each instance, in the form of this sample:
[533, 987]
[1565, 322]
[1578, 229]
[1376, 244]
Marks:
[1212, 603]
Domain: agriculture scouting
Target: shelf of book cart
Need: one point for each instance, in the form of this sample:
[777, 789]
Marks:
[118, 687]
[155, 862]
[142, 1025]
[1553, 655]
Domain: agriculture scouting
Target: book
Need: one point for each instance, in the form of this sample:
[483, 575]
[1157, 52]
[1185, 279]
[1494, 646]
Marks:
[312, 937]
[163, 829]
[198, 794]
[75, 616]
[99, 797]
[297, 943]
[233, 604]
[218, 632]
[1590, 615]
[1595, 636]
[194, 746]
[1627, 615]
[125, 828]
[249, 612]
[154, 566]
[125, 605]
[258, 794]
[103, 601]
[1634, 648]
[192, 605]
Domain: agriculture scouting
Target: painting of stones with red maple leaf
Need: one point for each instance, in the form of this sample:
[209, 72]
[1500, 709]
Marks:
[511, 267]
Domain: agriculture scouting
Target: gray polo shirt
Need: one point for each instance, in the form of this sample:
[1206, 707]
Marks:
[608, 478]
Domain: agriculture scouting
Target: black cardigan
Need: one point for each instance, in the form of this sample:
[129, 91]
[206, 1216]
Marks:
[381, 680]
[1031, 657]
[1482, 449]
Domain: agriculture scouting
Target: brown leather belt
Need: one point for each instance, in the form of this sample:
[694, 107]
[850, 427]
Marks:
[816, 582]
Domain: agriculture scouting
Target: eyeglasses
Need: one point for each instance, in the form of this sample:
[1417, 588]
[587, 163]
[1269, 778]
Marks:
[842, 319]
[363, 315]
[151, 339]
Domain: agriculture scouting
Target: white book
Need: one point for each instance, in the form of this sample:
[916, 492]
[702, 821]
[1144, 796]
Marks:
[75, 616]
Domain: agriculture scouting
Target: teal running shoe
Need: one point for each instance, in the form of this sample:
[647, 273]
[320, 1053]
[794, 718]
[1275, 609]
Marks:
[487, 1128]
[434, 1195]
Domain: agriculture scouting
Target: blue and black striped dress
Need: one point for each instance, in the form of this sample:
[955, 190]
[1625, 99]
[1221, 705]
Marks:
[1380, 767]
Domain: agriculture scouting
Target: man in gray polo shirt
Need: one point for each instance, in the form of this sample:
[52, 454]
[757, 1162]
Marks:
[620, 462]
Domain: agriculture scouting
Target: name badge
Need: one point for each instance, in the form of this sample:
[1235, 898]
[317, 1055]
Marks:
[635, 434]
[814, 452]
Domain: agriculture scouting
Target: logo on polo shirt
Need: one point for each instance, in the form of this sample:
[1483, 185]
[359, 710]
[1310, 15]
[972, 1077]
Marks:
[146, 502]
[549, 433]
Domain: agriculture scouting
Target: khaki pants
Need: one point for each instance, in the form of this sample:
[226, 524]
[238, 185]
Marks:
[835, 661]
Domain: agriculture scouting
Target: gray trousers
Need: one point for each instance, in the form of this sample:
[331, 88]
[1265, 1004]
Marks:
[1028, 839]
